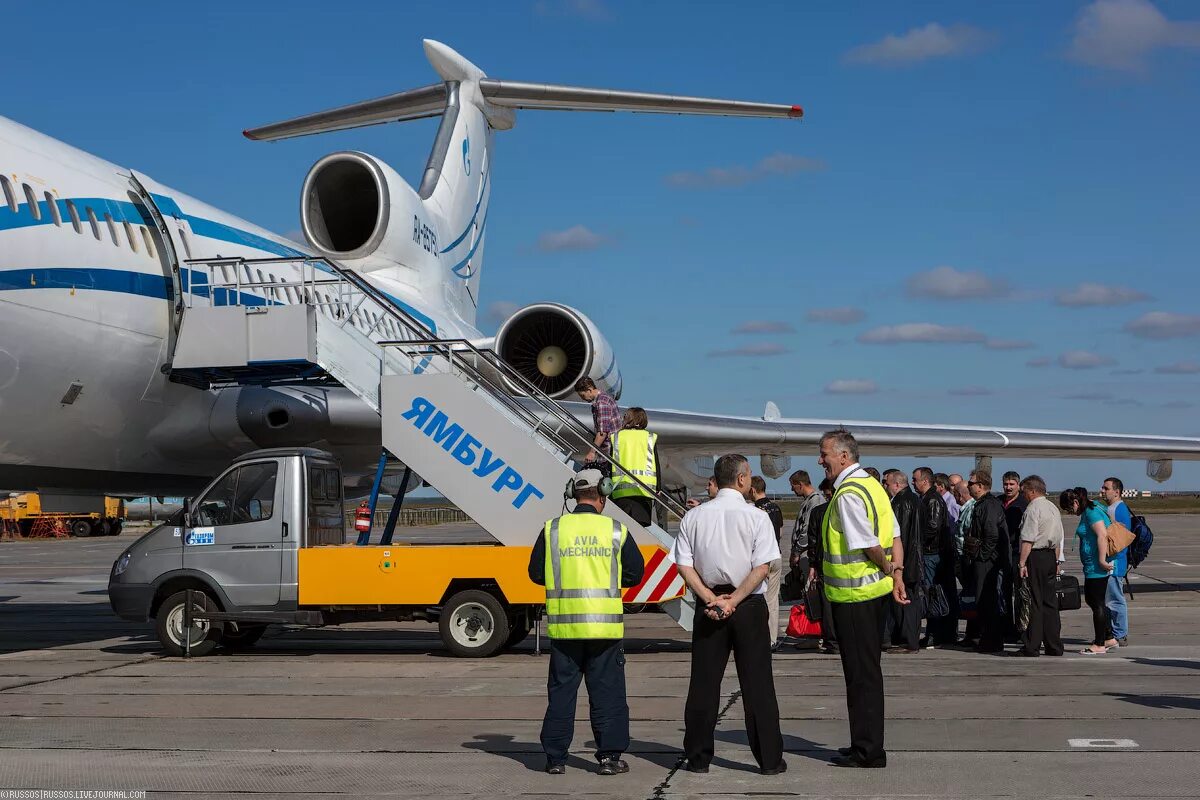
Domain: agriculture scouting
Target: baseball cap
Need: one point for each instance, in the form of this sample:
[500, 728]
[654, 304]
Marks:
[587, 479]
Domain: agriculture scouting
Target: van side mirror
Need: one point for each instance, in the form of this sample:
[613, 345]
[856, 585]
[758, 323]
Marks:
[255, 509]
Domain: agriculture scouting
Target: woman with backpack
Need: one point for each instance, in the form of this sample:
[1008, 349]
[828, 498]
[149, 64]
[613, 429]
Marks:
[1093, 552]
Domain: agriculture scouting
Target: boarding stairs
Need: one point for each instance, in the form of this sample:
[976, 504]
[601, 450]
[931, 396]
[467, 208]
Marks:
[455, 413]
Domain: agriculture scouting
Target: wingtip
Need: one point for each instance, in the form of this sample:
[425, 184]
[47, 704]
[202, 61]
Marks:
[796, 113]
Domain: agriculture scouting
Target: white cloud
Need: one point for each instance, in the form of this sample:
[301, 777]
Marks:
[1082, 359]
[846, 386]
[920, 44]
[751, 351]
[719, 177]
[588, 9]
[1179, 368]
[1120, 34]
[841, 315]
[1164, 325]
[577, 237]
[499, 311]
[948, 283]
[921, 332]
[764, 326]
[1097, 294]
[970, 391]
[1007, 344]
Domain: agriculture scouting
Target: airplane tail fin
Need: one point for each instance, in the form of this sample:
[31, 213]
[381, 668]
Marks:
[456, 184]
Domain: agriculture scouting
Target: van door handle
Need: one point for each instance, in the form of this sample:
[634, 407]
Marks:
[285, 531]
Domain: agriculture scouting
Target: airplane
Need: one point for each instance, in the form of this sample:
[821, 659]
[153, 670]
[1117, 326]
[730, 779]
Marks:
[94, 258]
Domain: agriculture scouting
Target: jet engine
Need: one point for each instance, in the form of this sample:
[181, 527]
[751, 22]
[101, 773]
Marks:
[553, 346]
[354, 206]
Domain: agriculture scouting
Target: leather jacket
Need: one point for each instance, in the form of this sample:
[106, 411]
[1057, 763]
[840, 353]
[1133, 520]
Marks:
[904, 506]
[987, 538]
[933, 516]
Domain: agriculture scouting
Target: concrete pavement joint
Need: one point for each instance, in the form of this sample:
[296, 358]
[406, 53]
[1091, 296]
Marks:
[660, 791]
[83, 674]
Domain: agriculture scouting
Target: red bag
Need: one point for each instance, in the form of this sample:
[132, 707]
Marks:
[800, 626]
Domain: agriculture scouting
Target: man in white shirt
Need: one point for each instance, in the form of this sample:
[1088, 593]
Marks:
[723, 552]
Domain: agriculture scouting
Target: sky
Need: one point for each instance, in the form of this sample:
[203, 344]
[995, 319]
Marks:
[988, 215]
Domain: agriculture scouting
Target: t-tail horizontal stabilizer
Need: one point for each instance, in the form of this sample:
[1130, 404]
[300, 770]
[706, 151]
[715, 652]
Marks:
[430, 101]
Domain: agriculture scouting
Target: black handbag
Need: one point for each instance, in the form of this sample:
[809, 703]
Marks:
[812, 599]
[936, 604]
[1066, 589]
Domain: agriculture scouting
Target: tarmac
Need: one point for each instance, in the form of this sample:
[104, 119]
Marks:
[89, 703]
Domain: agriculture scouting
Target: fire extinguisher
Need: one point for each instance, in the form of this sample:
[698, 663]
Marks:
[362, 517]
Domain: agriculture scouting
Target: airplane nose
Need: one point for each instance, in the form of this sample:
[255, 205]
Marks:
[551, 361]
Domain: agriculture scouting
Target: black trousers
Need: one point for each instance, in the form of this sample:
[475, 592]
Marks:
[860, 632]
[601, 662]
[902, 624]
[1095, 591]
[640, 508]
[1045, 626]
[987, 627]
[744, 633]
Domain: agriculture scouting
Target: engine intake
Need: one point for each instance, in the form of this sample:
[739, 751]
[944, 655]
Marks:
[553, 346]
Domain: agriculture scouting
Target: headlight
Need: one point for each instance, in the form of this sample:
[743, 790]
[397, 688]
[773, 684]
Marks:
[121, 564]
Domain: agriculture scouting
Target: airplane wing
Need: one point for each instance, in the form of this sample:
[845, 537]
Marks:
[687, 434]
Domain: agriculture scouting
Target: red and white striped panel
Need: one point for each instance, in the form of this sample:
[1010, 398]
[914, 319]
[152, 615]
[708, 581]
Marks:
[661, 582]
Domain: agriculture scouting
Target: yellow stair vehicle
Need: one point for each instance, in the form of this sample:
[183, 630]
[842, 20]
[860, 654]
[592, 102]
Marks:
[79, 515]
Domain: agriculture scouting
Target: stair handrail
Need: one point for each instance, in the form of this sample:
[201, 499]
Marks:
[427, 338]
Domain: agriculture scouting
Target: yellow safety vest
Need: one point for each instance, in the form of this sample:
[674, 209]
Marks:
[583, 577]
[849, 576]
[633, 449]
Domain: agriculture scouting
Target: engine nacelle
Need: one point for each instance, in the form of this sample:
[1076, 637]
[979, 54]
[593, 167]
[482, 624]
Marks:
[355, 207]
[553, 346]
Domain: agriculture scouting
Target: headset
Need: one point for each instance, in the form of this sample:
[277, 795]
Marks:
[605, 488]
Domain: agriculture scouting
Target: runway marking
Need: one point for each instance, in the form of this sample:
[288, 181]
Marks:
[1176, 563]
[1103, 743]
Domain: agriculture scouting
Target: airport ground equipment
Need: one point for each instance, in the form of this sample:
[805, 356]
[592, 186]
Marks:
[457, 415]
[37, 515]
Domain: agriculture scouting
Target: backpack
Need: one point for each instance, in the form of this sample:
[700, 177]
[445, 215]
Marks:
[1143, 540]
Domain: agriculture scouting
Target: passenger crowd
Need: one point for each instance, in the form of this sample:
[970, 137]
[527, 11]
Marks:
[874, 555]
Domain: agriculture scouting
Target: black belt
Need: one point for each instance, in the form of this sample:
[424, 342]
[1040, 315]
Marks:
[723, 588]
[1042, 549]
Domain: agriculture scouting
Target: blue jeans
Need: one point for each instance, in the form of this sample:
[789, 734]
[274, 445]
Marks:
[600, 662]
[1118, 611]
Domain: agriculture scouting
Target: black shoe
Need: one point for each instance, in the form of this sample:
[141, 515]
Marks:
[683, 765]
[830, 649]
[857, 763]
[845, 751]
[776, 647]
[901, 650]
[555, 769]
[1123, 641]
[779, 769]
[613, 766]
[1023, 654]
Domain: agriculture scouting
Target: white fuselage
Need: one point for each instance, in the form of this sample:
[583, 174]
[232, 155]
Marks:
[91, 304]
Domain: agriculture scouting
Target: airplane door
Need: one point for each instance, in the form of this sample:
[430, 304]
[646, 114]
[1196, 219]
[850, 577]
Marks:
[237, 533]
[172, 231]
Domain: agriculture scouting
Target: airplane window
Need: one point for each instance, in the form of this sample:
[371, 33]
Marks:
[149, 243]
[34, 208]
[95, 223]
[10, 196]
[129, 235]
[112, 229]
[53, 206]
[187, 247]
[74, 214]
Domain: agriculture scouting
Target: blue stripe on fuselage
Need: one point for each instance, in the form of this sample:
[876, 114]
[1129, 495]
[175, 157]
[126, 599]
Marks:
[96, 279]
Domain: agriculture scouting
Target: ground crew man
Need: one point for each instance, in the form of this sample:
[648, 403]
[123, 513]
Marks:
[856, 568]
[635, 449]
[584, 559]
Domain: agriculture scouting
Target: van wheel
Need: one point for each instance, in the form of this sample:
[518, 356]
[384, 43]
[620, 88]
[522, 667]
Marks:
[169, 624]
[102, 528]
[474, 624]
[81, 528]
[245, 636]
[115, 530]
